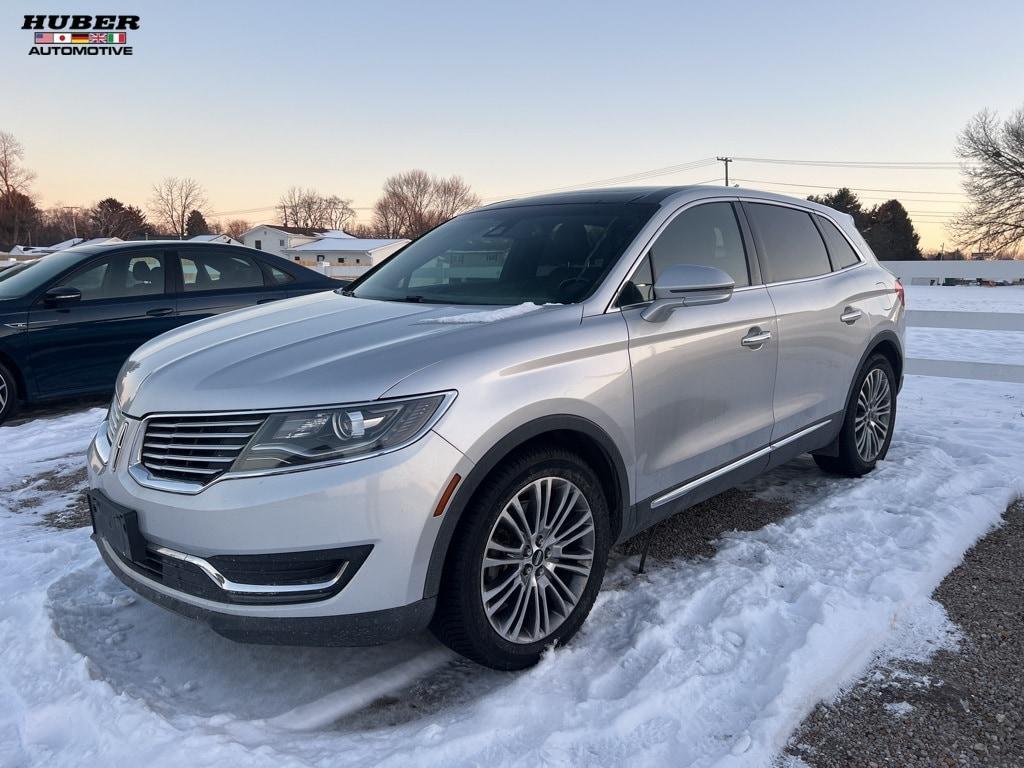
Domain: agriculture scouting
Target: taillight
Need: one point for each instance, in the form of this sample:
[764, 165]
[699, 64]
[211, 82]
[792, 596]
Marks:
[901, 293]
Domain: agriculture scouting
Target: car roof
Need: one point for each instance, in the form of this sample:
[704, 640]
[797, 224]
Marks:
[655, 196]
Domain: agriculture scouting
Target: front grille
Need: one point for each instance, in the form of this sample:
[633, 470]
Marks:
[196, 449]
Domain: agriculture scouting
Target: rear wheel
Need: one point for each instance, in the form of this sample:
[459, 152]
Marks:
[8, 393]
[528, 561]
[867, 427]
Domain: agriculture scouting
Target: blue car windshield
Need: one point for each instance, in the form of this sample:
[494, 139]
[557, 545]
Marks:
[23, 279]
[556, 253]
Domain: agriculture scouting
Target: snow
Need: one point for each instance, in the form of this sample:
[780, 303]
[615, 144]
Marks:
[898, 708]
[703, 662]
[970, 346]
[966, 298]
[484, 315]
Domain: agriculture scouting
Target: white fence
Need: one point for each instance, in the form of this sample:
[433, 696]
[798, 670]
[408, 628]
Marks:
[1000, 271]
[909, 271]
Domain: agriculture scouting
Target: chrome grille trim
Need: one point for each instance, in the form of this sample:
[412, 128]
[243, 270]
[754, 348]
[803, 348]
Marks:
[191, 486]
[197, 448]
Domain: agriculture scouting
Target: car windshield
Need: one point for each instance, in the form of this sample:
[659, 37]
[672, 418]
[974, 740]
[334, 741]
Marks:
[532, 253]
[23, 279]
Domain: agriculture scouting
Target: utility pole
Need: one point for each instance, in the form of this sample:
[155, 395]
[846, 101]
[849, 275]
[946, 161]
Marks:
[74, 217]
[725, 161]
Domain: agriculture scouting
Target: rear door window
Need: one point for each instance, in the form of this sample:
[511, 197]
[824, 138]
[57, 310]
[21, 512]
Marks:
[791, 246]
[201, 271]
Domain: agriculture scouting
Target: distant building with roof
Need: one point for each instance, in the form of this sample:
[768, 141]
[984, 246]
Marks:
[22, 252]
[277, 238]
[345, 256]
[226, 239]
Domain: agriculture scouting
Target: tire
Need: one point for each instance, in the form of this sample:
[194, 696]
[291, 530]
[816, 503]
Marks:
[532, 582]
[8, 393]
[858, 453]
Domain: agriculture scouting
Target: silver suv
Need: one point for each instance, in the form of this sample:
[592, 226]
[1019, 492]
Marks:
[458, 438]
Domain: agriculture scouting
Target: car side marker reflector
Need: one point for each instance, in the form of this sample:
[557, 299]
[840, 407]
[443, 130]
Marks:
[447, 495]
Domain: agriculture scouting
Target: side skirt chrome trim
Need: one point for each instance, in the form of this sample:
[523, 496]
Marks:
[715, 474]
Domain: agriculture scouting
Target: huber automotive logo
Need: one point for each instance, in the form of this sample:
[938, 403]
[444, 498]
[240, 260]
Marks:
[73, 35]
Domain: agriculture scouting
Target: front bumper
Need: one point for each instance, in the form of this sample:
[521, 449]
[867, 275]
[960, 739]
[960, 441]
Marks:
[384, 504]
[369, 628]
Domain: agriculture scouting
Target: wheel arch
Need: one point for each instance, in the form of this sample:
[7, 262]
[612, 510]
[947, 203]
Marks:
[886, 343]
[575, 433]
[19, 377]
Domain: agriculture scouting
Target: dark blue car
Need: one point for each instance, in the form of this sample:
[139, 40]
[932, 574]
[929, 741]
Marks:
[70, 320]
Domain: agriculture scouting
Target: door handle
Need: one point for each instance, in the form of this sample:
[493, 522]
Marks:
[851, 315]
[159, 311]
[756, 338]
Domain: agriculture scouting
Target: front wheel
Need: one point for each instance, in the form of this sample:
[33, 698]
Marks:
[8, 394]
[527, 562]
[868, 424]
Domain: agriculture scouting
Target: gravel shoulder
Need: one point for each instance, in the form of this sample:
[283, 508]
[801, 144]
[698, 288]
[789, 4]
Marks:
[961, 708]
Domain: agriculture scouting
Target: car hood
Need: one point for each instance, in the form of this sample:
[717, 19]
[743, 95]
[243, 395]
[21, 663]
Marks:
[315, 350]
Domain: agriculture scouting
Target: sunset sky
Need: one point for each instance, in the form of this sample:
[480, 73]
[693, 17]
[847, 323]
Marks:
[251, 98]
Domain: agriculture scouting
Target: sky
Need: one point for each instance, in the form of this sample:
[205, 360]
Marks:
[250, 98]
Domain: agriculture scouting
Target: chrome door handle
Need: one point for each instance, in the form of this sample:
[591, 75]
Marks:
[851, 315]
[756, 338]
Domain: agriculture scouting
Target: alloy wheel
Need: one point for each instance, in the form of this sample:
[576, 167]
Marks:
[537, 560]
[4, 393]
[874, 414]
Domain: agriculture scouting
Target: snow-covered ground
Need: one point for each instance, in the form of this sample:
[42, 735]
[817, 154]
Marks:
[966, 298]
[709, 661]
[967, 345]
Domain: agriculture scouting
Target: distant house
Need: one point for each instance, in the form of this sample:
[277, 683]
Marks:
[277, 238]
[347, 256]
[22, 252]
[226, 239]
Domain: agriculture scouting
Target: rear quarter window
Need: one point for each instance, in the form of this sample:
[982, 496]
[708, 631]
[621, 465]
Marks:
[839, 249]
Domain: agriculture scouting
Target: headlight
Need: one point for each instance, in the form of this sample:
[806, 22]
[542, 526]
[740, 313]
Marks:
[114, 421]
[299, 438]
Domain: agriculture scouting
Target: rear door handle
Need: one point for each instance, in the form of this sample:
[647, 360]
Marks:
[851, 315]
[160, 311]
[756, 338]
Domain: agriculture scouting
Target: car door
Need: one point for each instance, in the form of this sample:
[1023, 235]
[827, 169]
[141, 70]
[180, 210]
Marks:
[218, 278]
[822, 324]
[703, 376]
[80, 347]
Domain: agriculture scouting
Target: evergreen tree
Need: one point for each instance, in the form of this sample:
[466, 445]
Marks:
[196, 225]
[843, 200]
[891, 234]
[112, 218]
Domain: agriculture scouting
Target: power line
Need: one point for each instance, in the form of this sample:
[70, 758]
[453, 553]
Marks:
[855, 189]
[881, 164]
[650, 174]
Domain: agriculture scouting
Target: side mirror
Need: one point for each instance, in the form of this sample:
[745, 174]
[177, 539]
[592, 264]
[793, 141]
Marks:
[60, 296]
[687, 285]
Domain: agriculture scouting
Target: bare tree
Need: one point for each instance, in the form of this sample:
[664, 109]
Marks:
[15, 180]
[415, 202]
[236, 228]
[300, 207]
[173, 200]
[993, 155]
